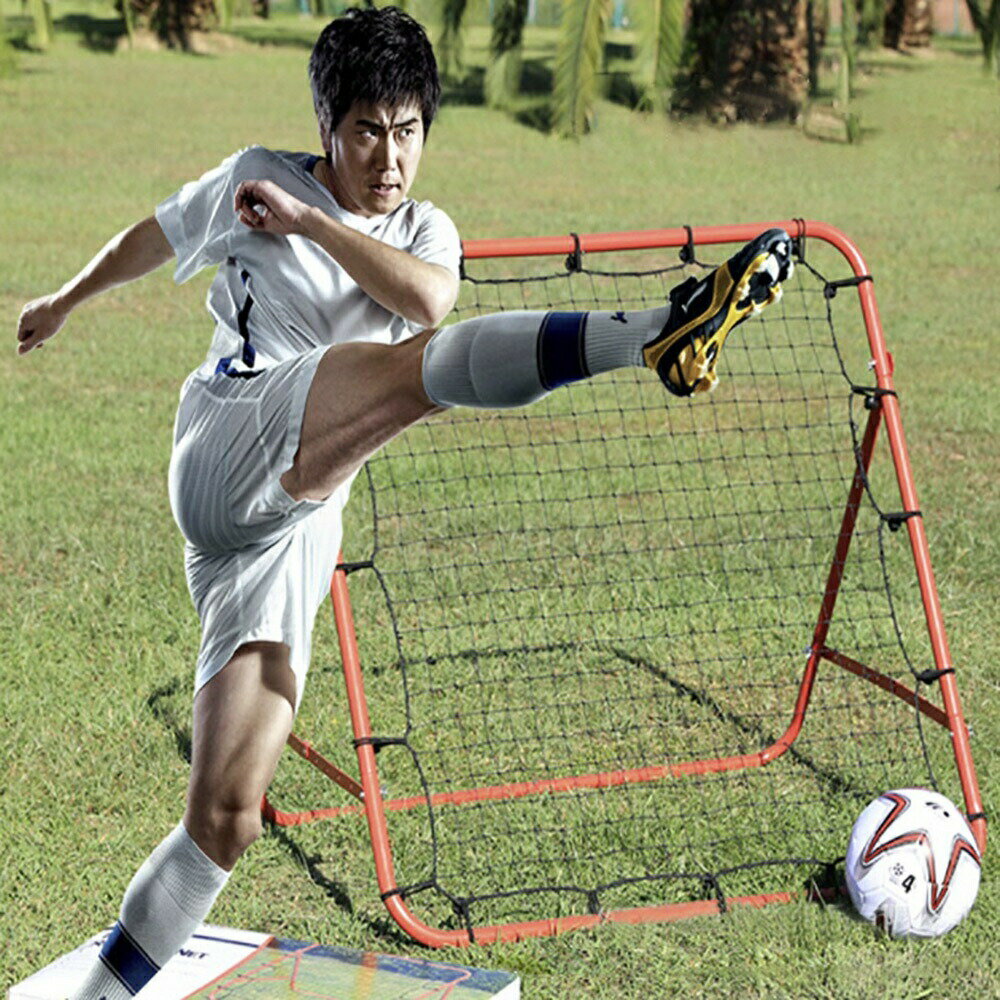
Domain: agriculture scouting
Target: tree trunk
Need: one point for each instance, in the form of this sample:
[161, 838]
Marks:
[174, 20]
[871, 22]
[747, 60]
[817, 25]
[909, 24]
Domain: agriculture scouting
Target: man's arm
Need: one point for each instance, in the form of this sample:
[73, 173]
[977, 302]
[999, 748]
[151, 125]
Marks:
[129, 255]
[406, 285]
[420, 292]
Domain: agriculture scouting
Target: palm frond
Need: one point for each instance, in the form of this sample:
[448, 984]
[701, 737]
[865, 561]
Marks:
[578, 56]
[449, 46]
[42, 16]
[660, 26]
[986, 21]
[503, 66]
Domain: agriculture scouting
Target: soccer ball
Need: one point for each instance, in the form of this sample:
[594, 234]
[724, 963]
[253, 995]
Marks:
[912, 864]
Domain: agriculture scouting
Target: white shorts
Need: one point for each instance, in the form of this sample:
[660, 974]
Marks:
[258, 562]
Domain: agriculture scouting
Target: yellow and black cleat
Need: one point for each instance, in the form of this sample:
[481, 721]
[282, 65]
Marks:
[704, 310]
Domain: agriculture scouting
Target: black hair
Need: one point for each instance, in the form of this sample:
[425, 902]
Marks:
[378, 55]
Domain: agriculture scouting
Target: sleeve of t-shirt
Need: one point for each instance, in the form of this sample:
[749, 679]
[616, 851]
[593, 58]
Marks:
[199, 221]
[436, 241]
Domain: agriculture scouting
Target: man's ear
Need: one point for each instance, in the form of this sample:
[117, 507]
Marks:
[326, 141]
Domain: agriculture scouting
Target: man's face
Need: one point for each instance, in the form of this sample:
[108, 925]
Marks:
[374, 154]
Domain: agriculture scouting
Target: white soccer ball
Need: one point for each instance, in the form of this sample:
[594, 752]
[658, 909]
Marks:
[913, 864]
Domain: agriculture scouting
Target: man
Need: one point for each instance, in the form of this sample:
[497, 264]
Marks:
[330, 285]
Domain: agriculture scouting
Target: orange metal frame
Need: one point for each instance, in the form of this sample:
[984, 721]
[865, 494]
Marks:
[368, 794]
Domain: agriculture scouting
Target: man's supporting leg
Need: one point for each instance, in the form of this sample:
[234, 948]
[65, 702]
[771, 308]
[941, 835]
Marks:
[242, 718]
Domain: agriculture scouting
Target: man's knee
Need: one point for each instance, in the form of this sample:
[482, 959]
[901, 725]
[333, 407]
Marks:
[223, 831]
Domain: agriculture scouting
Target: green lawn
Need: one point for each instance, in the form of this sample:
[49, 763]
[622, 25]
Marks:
[94, 614]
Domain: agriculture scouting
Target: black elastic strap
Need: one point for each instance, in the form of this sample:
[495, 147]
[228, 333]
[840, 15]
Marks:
[711, 884]
[799, 240]
[349, 567]
[873, 395]
[406, 890]
[687, 253]
[377, 742]
[930, 676]
[461, 907]
[972, 817]
[830, 288]
[574, 262]
[896, 520]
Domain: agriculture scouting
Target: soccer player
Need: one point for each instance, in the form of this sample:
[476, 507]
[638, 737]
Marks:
[331, 283]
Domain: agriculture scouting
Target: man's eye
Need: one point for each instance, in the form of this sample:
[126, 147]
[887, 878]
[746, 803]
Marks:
[406, 133]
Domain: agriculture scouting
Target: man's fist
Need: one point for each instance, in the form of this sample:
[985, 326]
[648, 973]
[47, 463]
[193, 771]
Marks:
[264, 206]
[40, 319]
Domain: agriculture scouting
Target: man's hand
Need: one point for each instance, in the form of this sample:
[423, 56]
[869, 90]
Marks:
[40, 320]
[267, 208]
[129, 255]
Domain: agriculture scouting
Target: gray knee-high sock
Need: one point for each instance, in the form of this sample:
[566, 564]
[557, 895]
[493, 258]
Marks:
[514, 358]
[169, 897]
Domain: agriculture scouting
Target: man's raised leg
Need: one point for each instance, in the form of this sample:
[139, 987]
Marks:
[363, 395]
[242, 718]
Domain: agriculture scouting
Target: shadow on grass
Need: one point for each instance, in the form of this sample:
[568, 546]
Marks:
[836, 783]
[311, 862]
[537, 116]
[536, 77]
[466, 91]
[99, 34]
[164, 704]
[19, 31]
[271, 34]
[161, 704]
[532, 103]
[382, 926]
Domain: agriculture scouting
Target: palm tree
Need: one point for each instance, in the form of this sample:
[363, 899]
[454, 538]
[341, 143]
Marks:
[578, 56]
[449, 45]
[871, 22]
[817, 25]
[660, 25]
[985, 16]
[171, 20]
[746, 60]
[503, 69]
[909, 24]
[41, 13]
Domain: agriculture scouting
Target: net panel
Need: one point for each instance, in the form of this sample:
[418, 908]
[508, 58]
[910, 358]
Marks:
[615, 579]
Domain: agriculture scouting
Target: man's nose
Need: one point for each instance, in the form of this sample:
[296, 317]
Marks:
[387, 151]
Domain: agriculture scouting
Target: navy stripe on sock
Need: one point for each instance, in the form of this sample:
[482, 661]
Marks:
[114, 972]
[560, 349]
[127, 960]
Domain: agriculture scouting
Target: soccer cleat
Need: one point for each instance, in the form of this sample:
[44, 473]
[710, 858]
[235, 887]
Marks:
[704, 310]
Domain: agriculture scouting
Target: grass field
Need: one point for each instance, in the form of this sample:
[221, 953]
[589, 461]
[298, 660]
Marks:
[95, 619]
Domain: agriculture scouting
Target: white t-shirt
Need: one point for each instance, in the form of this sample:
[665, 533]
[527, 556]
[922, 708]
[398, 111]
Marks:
[301, 297]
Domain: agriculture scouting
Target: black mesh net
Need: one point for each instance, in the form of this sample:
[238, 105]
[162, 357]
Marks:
[615, 579]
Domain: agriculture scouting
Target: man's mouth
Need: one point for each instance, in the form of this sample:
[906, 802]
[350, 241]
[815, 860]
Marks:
[383, 189]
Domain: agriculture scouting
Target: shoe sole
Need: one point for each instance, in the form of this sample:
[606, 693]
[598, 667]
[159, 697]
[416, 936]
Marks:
[733, 301]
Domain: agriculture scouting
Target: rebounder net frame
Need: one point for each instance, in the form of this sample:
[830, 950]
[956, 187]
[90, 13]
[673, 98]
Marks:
[556, 603]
